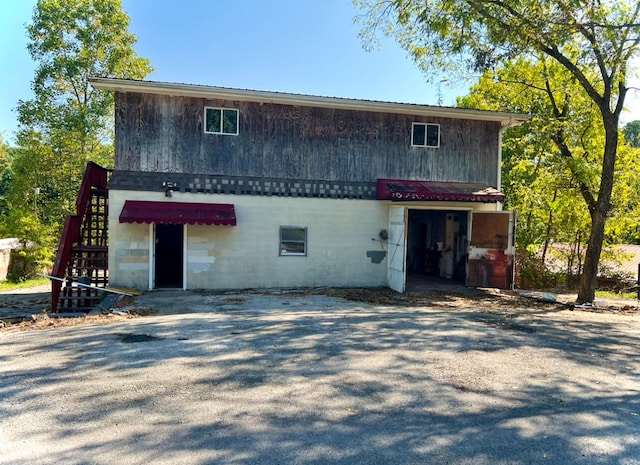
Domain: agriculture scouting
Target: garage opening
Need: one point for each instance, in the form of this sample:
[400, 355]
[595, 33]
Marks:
[437, 246]
[169, 256]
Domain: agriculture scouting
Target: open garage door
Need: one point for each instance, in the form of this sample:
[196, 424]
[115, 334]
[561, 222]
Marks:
[396, 263]
[491, 250]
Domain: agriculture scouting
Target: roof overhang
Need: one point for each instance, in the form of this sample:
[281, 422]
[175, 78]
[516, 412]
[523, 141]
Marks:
[226, 93]
[137, 211]
[404, 190]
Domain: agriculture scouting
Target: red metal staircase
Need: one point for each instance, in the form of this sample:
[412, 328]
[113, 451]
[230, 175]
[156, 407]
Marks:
[81, 264]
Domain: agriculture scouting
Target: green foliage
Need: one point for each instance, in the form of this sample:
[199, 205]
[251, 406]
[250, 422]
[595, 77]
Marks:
[542, 184]
[44, 183]
[624, 224]
[69, 123]
[531, 271]
[583, 50]
[73, 40]
[456, 36]
[5, 176]
[631, 133]
[36, 239]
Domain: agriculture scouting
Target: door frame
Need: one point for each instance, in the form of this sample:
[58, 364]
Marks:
[394, 267]
[152, 256]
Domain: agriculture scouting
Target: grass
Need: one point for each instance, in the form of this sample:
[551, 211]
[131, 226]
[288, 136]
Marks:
[7, 286]
[617, 295]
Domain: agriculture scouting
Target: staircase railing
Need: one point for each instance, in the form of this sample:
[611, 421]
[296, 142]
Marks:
[95, 177]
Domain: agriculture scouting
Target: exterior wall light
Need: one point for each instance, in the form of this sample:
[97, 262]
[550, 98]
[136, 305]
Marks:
[169, 186]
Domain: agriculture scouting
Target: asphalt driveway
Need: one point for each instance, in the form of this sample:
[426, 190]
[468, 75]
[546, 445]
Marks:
[310, 379]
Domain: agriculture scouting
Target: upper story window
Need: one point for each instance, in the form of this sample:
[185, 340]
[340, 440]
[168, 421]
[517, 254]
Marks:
[221, 120]
[425, 135]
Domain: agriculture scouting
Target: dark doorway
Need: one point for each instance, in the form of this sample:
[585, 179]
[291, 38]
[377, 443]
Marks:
[437, 245]
[169, 256]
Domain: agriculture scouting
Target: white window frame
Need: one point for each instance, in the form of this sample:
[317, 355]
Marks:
[221, 131]
[283, 252]
[426, 135]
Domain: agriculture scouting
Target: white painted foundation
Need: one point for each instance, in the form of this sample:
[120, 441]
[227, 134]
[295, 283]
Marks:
[339, 234]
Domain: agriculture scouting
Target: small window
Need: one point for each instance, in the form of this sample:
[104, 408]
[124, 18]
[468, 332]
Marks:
[293, 241]
[221, 121]
[425, 135]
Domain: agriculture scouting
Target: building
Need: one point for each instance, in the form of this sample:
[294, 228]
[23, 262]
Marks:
[7, 246]
[219, 188]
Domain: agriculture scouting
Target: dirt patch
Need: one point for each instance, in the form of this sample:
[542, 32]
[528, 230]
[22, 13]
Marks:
[485, 301]
[506, 305]
[34, 303]
[44, 321]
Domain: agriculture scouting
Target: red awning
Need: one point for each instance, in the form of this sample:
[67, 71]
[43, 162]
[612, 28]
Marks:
[135, 211]
[396, 189]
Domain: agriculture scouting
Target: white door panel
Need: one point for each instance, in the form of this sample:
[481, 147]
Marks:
[491, 250]
[397, 257]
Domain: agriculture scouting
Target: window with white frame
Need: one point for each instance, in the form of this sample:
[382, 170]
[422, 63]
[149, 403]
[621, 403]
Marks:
[293, 240]
[425, 135]
[221, 120]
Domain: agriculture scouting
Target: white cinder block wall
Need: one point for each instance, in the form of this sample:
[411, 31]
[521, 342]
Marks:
[339, 234]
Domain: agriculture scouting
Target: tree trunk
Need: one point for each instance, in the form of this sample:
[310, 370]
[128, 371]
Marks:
[589, 278]
[545, 247]
[599, 211]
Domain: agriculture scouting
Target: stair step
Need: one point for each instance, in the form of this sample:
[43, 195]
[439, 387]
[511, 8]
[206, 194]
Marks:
[79, 286]
[89, 253]
[84, 307]
[88, 268]
[76, 288]
[98, 272]
[71, 276]
[72, 312]
[82, 297]
[91, 248]
[82, 292]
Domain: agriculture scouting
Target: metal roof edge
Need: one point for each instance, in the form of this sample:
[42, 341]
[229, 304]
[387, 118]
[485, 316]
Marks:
[227, 93]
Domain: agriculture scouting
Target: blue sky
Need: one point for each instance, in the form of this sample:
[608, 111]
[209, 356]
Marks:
[298, 46]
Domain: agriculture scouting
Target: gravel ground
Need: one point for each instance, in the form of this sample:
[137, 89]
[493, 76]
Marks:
[323, 377]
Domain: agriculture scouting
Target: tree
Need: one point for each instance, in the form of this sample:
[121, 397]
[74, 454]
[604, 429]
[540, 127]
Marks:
[67, 123]
[73, 40]
[593, 41]
[539, 182]
[5, 176]
[36, 245]
[632, 133]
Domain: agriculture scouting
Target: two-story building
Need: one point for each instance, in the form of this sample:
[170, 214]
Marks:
[219, 188]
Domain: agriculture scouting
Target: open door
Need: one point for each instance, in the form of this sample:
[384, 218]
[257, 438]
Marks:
[397, 257]
[169, 256]
[491, 250]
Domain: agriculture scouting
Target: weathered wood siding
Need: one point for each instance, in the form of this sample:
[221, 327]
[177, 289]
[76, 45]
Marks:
[164, 133]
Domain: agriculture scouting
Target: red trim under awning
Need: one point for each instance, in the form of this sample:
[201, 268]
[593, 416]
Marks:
[135, 211]
[400, 189]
